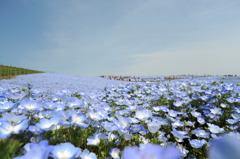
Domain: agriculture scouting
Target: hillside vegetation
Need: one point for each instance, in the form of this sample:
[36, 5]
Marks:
[7, 72]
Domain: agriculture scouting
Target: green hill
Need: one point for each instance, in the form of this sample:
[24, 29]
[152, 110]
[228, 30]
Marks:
[7, 72]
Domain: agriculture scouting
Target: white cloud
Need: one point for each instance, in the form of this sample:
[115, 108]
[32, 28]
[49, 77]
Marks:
[195, 58]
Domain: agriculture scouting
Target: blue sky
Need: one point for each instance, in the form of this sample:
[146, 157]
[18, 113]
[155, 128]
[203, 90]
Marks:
[121, 37]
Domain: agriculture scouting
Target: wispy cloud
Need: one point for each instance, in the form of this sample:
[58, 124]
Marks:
[134, 37]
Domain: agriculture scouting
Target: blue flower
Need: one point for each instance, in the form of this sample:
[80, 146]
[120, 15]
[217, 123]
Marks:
[201, 120]
[151, 151]
[215, 129]
[65, 151]
[231, 99]
[114, 152]
[180, 135]
[201, 133]
[78, 119]
[177, 123]
[87, 155]
[178, 103]
[153, 126]
[49, 124]
[29, 105]
[195, 114]
[96, 116]
[197, 143]
[138, 128]
[143, 114]
[233, 121]
[6, 106]
[95, 139]
[6, 128]
[226, 147]
[216, 111]
[173, 113]
[13, 118]
[37, 151]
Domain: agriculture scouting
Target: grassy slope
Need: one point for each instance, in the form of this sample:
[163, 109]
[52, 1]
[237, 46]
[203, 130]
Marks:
[7, 72]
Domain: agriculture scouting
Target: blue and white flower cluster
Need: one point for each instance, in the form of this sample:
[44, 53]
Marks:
[171, 119]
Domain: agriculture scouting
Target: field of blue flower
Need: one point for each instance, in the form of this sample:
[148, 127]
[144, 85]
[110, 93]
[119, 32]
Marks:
[150, 120]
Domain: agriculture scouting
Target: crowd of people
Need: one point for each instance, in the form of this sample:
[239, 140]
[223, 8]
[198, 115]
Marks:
[123, 78]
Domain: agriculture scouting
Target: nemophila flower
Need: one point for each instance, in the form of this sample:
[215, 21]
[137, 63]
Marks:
[76, 103]
[109, 126]
[210, 115]
[180, 135]
[95, 116]
[112, 137]
[161, 136]
[233, 121]
[195, 114]
[49, 124]
[151, 151]
[161, 108]
[177, 123]
[7, 128]
[229, 87]
[36, 139]
[45, 114]
[138, 128]
[163, 121]
[133, 120]
[223, 105]
[6, 106]
[59, 107]
[205, 97]
[235, 115]
[49, 105]
[201, 133]
[95, 139]
[178, 103]
[183, 150]
[65, 151]
[215, 129]
[237, 109]
[153, 126]
[39, 150]
[87, 155]
[201, 120]
[144, 140]
[15, 95]
[197, 143]
[143, 114]
[114, 152]
[190, 123]
[132, 107]
[126, 134]
[30, 105]
[216, 111]
[213, 100]
[123, 122]
[78, 119]
[13, 118]
[231, 99]
[234, 127]
[173, 113]
[35, 130]
[102, 112]
[226, 147]
[123, 112]
[63, 115]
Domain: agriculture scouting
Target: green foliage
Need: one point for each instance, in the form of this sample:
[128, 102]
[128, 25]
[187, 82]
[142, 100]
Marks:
[76, 135]
[9, 148]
